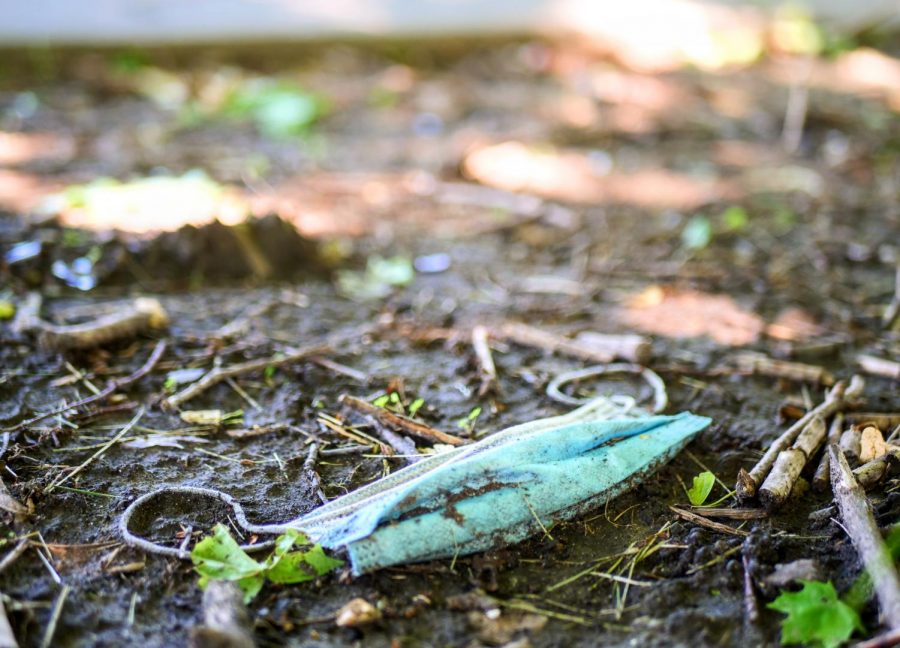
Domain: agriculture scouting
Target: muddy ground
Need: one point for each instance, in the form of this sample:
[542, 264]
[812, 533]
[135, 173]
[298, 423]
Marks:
[805, 273]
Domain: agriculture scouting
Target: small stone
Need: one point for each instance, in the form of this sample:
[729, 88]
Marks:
[356, 613]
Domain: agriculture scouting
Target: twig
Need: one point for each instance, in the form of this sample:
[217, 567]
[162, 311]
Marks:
[342, 369]
[7, 637]
[748, 482]
[780, 481]
[856, 513]
[550, 342]
[822, 477]
[400, 444]
[851, 442]
[14, 553]
[482, 347]
[143, 314]
[226, 621]
[876, 366]
[709, 524]
[885, 640]
[218, 374]
[751, 605]
[106, 446]
[892, 311]
[795, 111]
[309, 469]
[407, 425]
[731, 514]
[762, 365]
[884, 421]
[47, 641]
[111, 387]
[871, 473]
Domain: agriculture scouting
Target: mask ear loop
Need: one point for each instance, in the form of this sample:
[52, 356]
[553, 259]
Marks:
[626, 403]
[240, 520]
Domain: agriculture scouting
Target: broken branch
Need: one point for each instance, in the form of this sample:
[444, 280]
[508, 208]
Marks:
[837, 399]
[789, 464]
[859, 522]
[822, 477]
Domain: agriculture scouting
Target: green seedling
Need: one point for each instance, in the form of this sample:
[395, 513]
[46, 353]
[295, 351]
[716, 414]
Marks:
[703, 484]
[219, 557]
[415, 406]
[468, 421]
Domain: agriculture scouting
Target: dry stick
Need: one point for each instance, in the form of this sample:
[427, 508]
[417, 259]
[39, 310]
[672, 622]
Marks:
[882, 420]
[106, 446]
[731, 514]
[16, 551]
[550, 342]
[856, 513]
[407, 425]
[790, 463]
[400, 444]
[309, 469]
[709, 524]
[885, 640]
[482, 347]
[342, 369]
[751, 605]
[878, 366]
[762, 365]
[851, 442]
[837, 398]
[871, 473]
[892, 311]
[111, 387]
[47, 641]
[822, 477]
[144, 314]
[7, 637]
[226, 620]
[218, 374]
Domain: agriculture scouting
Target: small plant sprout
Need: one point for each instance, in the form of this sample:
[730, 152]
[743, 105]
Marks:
[467, 422]
[703, 484]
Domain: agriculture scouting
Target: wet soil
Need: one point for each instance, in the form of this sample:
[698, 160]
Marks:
[402, 119]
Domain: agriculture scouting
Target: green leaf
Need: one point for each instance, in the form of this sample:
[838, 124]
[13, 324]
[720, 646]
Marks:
[735, 218]
[219, 557]
[415, 406]
[815, 616]
[381, 401]
[301, 566]
[703, 485]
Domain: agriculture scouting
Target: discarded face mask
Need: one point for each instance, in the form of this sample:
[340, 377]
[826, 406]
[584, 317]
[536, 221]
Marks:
[495, 492]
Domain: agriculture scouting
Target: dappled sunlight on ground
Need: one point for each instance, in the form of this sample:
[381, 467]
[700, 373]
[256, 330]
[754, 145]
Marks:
[21, 148]
[794, 324]
[576, 177]
[691, 313]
